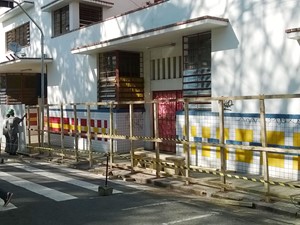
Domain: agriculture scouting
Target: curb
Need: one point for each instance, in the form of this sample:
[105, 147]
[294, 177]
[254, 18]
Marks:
[230, 198]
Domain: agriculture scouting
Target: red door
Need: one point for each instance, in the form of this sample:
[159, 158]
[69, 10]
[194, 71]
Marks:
[167, 117]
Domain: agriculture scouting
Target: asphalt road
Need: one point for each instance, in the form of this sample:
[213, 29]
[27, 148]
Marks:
[46, 194]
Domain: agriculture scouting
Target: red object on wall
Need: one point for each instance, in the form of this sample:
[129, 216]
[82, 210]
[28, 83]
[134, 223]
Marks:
[167, 117]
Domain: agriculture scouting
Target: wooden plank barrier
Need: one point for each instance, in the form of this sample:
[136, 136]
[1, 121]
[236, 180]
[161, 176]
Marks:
[179, 163]
[138, 158]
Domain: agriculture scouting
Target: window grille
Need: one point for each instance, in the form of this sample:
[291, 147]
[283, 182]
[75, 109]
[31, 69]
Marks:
[61, 21]
[89, 14]
[21, 35]
[197, 68]
[120, 76]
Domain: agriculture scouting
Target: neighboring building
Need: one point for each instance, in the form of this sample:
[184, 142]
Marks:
[143, 50]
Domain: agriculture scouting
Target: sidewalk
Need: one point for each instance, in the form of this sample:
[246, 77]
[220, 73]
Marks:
[238, 192]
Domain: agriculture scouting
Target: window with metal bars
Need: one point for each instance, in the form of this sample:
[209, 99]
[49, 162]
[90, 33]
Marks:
[120, 76]
[61, 21]
[89, 14]
[19, 89]
[20, 35]
[197, 68]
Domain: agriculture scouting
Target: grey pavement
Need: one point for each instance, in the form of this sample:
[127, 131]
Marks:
[239, 192]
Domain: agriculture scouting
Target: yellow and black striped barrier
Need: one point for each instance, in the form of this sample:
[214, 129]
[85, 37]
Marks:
[217, 173]
[173, 166]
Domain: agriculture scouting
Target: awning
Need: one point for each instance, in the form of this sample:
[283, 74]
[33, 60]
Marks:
[56, 4]
[293, 33]
[23, 65]
[157, 36]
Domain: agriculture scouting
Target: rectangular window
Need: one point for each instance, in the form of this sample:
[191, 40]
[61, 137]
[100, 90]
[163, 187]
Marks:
[169, 69]
[120, 76]
[180, 67]
[89, 14]
[153, 69]
[107, 65]
[197, 68]
[129, 64]
[20, 35]
[158, 69]
[175, 67]
[19, 89]
[163, 68]
[61, 21]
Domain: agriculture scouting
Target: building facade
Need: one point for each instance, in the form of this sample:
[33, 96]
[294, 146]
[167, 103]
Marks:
[117, 50]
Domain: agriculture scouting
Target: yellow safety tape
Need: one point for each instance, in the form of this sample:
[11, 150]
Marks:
[221, 174]
[217, 173]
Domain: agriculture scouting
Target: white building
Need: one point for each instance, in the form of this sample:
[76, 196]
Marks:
[142, 50]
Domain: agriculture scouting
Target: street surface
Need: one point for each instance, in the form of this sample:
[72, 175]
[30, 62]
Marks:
[49, 194]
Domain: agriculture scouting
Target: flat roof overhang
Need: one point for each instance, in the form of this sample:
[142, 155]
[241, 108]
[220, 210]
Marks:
[26, 5]
[56, 4]
[23, 65]
[154, 37]
[293, 33]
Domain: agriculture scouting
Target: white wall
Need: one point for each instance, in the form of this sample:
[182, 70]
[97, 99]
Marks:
[254, 55]
[121, 6]
[251, 56]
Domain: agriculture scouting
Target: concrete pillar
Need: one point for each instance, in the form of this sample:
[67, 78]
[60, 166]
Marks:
[74, 15]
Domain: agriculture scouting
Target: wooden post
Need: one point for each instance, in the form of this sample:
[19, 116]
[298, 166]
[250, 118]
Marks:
[62, 136]
[156, 135]
[131, 134]
[28, 125]
[111, 132]
[186, 145]
[38, 124]
[48, 126]
[89, 139]
[48, 129]
[75, 131]
[222, 149]
[263, 135]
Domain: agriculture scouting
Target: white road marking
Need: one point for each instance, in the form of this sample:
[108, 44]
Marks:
[141, 187]
[190, 218]
[70, 170]
[97, 176]
[58, 177]
[149, 205]
[8, 207]
[89, 174]
[36, 188]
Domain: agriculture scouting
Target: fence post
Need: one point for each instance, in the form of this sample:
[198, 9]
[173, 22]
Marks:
[263, 135]
[186, 146]
[131, 134]
[222, 149]
[38, 124]
[48, 128]
[111, 129]
[28, 125]
[89, 142]
[156, 136]
[62, 137]
[75, 131]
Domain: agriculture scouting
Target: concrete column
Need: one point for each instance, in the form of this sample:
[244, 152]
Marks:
[74, 15]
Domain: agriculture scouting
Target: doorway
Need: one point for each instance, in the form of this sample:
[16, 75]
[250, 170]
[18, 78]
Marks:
[167, 118]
